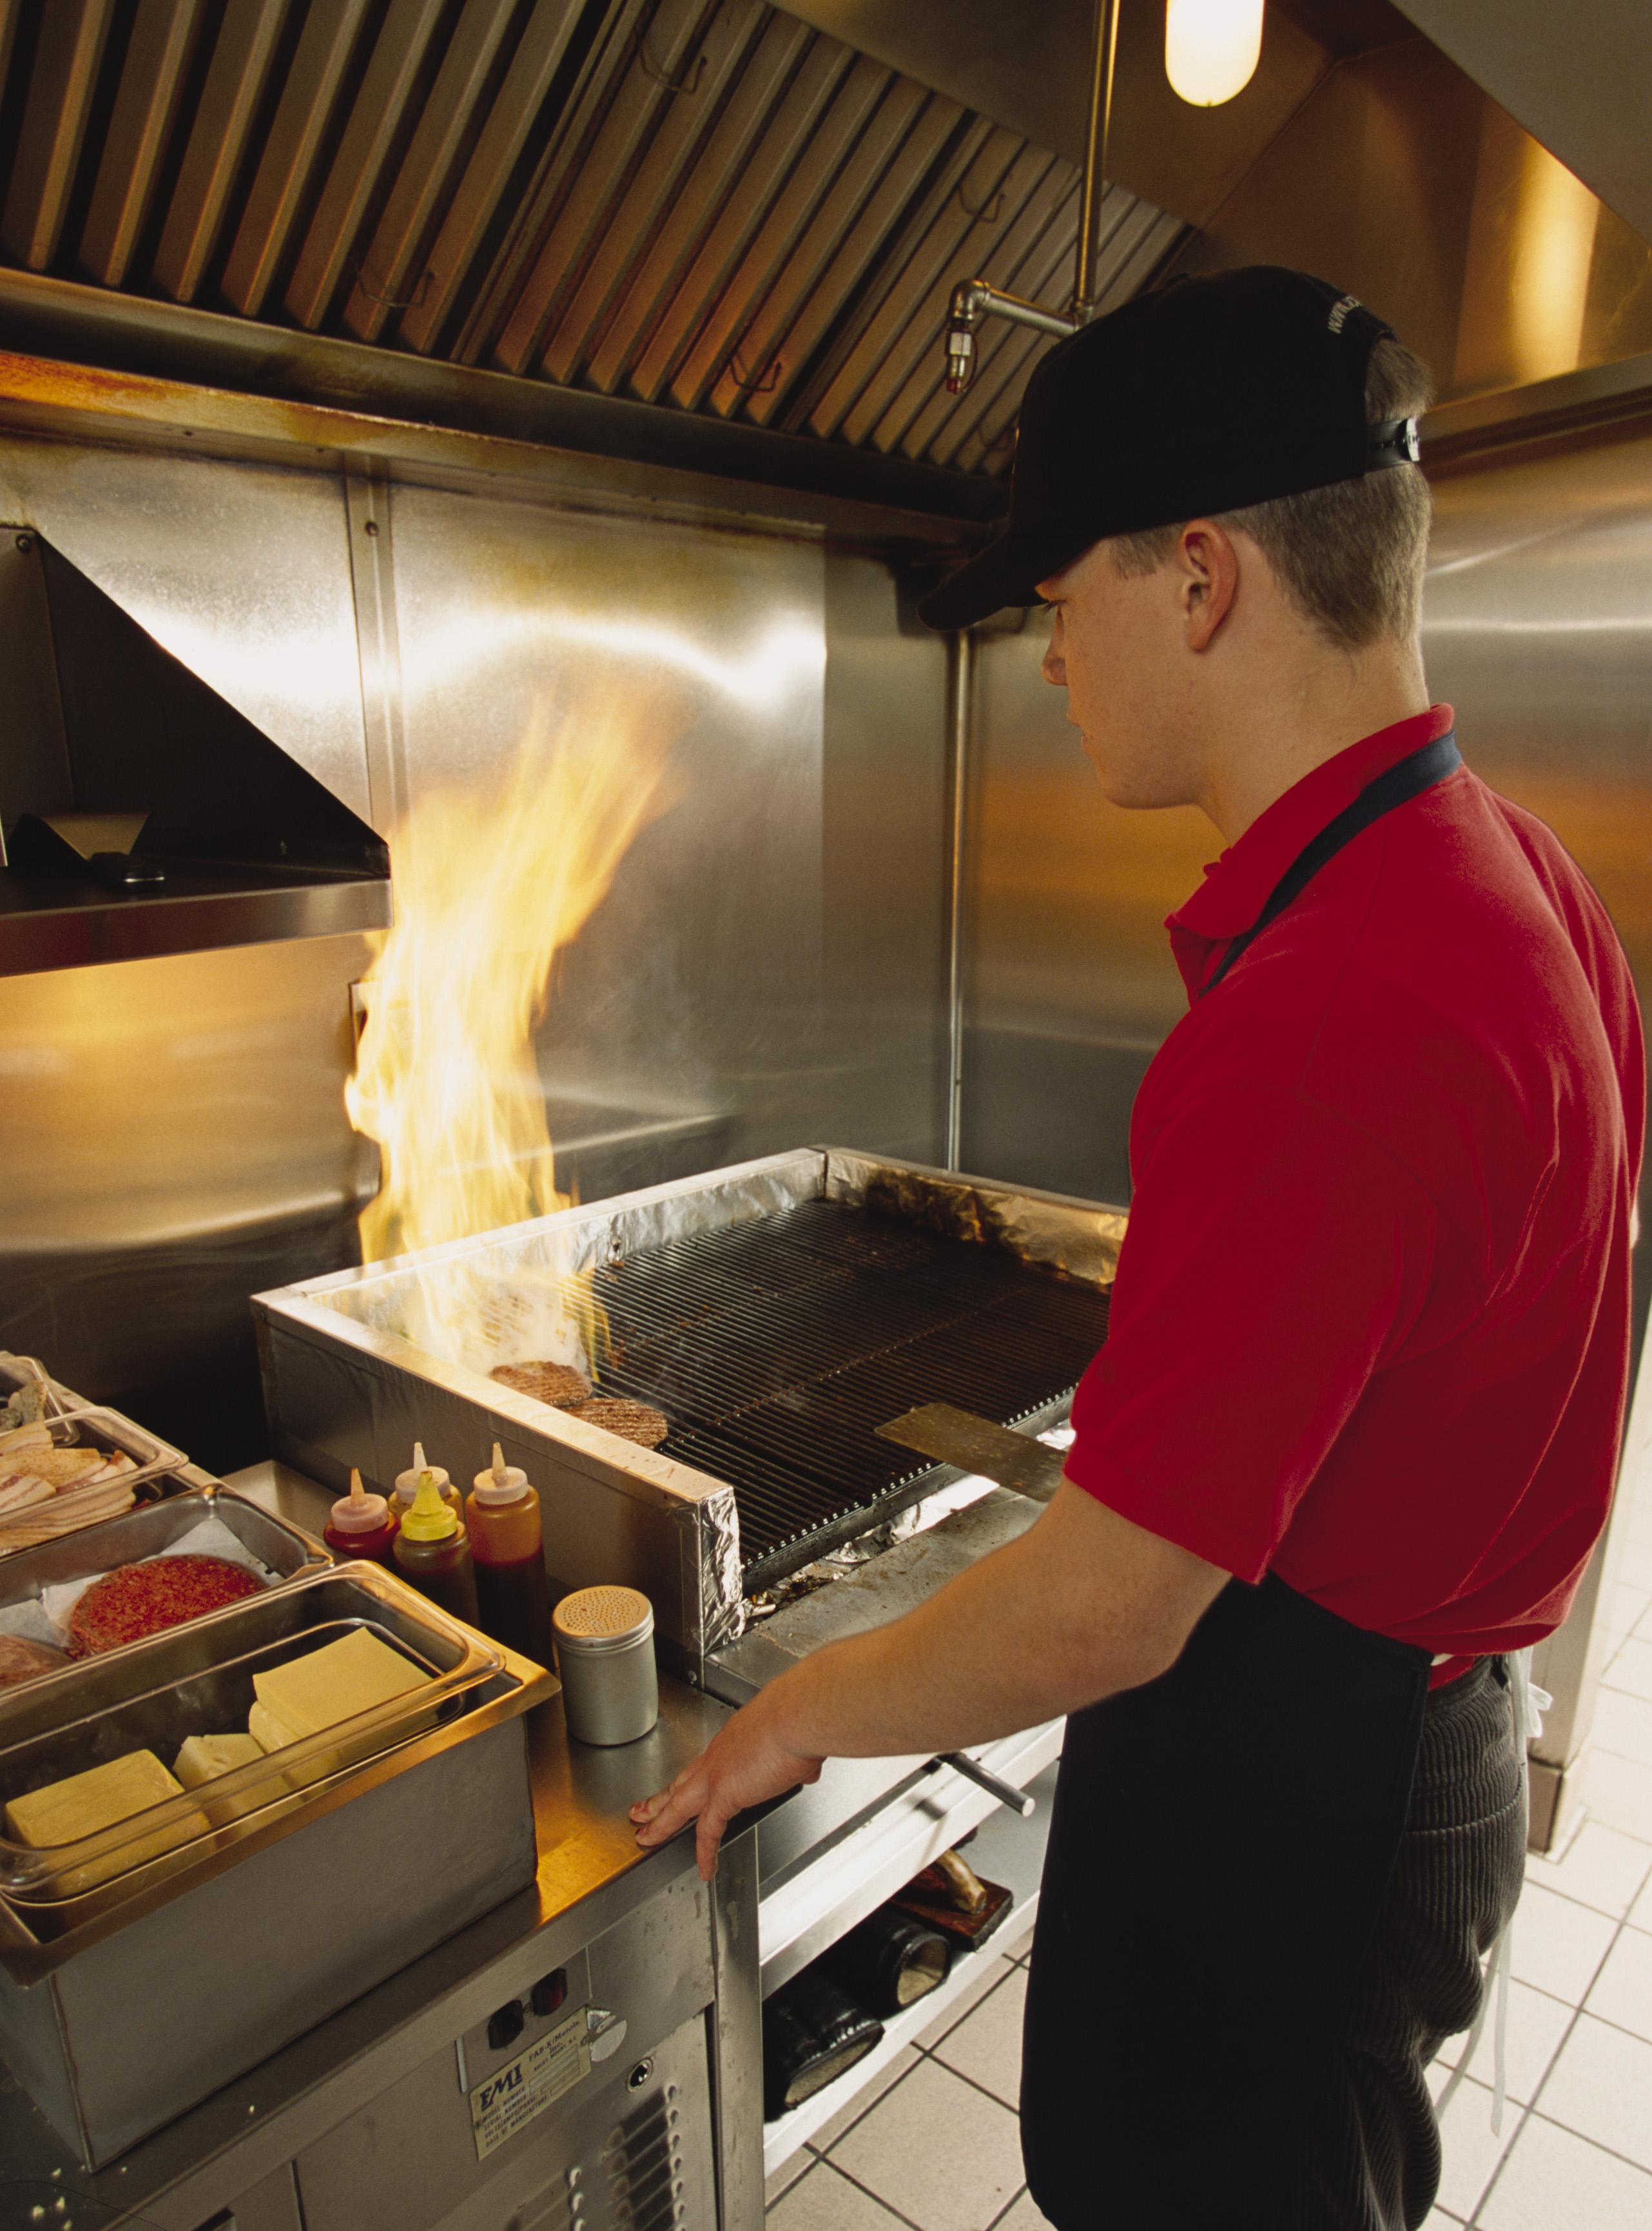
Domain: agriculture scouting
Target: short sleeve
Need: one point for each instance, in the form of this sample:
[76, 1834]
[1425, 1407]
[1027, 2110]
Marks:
[1275, 1257]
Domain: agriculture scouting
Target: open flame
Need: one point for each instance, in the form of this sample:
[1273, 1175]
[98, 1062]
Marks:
[493, 880]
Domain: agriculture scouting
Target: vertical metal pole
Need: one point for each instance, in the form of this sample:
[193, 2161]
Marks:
[367, 518]
[1102, 62]
[960, 715]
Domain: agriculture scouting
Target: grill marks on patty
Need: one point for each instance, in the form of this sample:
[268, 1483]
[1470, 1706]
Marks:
[632, 1421]
[558, 1384]
[564, 1388]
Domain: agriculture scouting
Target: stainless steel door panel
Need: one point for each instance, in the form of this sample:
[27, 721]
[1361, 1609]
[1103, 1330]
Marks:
[409, 2160]
[633, 2139]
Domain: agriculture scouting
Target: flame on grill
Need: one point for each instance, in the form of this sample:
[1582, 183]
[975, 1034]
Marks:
[493, 880]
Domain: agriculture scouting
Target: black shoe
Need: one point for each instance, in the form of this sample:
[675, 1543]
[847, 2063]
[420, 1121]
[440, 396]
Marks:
[889, 1960]
[812, 2033]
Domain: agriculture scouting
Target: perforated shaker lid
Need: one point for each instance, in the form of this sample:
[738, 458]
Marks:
[593, 1621]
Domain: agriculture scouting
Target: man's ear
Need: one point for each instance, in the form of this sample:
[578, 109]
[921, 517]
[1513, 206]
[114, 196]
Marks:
[1208, 579]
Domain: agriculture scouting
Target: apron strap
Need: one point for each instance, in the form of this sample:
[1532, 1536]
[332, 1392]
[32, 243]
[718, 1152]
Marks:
[1407, 778]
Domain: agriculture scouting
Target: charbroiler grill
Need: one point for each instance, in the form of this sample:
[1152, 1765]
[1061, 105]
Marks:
[778, 1347]
[779, 1312]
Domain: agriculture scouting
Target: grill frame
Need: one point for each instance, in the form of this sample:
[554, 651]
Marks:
[342, 1388]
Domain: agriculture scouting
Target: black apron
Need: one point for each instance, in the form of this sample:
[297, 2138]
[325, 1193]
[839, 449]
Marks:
[1221, 1843]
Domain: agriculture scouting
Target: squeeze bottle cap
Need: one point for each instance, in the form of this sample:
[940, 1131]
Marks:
[500, 1482]
[359, 1512]
[407, 1483]
[430, 1519]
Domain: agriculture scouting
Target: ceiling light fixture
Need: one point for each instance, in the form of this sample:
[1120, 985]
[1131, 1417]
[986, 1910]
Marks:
[1211, 47]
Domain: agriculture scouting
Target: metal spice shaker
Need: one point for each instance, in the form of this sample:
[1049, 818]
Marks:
[605, 1657]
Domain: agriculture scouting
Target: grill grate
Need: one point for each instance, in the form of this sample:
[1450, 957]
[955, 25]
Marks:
[776, 1348]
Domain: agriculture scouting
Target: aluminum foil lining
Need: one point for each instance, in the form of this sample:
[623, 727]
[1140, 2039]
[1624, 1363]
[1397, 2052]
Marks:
[709, 1531]
[504, 1296]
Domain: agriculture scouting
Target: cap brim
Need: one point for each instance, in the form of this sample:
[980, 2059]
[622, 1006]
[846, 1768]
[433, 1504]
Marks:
[1008, 571]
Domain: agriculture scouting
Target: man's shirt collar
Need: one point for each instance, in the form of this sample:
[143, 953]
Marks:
[1239, 885]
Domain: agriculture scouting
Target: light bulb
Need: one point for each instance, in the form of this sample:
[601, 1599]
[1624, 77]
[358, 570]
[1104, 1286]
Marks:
[1211, 47]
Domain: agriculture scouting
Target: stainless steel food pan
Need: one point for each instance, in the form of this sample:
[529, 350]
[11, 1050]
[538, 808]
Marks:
[154, 1465]
[150, 1531]
[124, 2021]
[197, 1679]
[111, 1427]
[93, 1713]
[17, 1371]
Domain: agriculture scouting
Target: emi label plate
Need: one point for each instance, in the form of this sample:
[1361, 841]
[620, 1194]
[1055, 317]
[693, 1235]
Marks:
[525, 2087]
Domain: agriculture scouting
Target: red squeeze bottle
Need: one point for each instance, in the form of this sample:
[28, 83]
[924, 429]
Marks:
[508, 1541]
[362, 1525]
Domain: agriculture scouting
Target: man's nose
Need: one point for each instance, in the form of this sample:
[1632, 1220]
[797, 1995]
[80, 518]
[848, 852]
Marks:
[1054, 668]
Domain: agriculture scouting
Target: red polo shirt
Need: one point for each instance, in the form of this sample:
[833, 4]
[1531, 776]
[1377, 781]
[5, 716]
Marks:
[1370, 1326]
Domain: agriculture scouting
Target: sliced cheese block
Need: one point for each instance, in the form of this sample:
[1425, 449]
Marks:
[81, 1805]
[204, 1758]
[323, 1687]
[273, 1735]
[267, 1731]
[334, 1684]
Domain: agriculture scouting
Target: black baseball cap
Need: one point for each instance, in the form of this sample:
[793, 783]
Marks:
[1201, 396]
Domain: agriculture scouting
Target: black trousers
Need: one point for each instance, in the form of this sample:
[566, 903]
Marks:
[1373, 2160]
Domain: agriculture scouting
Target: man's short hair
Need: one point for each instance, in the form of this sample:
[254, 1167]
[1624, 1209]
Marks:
[1351, 556]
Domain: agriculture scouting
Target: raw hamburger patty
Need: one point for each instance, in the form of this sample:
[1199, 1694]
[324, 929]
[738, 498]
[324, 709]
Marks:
[632, 1421]
[138, 1600]
[558, 1384]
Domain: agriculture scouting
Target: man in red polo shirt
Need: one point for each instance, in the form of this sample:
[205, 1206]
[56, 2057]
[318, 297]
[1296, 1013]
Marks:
[1353, 1434]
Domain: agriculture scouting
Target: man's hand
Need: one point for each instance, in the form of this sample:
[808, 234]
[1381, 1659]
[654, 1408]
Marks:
[1082, 1605]
[744, 1764]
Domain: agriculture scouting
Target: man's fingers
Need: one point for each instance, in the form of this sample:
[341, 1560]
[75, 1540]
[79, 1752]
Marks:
[708, 1835]
[673, 1809]
[646, 1807]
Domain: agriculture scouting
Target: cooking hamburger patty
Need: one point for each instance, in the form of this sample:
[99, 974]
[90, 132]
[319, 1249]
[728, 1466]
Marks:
[138, 1600]
[558, 1384]
[632, 1421]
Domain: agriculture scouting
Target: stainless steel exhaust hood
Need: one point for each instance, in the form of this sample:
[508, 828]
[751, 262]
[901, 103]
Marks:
[721, 235]
[699, 211]
[140, 814]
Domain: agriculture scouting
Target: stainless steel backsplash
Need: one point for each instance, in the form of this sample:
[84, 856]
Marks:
[766, 969]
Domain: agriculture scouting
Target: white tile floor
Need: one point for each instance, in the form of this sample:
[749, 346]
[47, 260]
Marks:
[935, 2146]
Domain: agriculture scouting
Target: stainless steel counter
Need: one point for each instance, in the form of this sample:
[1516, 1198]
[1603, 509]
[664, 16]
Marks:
[581, 1795]
[244, 2150]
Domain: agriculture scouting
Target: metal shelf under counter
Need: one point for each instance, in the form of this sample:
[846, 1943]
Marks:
[1006, 1849]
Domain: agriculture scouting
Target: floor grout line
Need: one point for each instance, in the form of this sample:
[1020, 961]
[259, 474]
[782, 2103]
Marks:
[1490, 2185]
[974, 2087]
[1584, 2138]
[859, 2185]
[1531, 2108]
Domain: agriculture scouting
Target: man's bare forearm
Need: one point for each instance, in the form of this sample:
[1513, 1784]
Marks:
[1084, 1604]
[1023, 1636]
